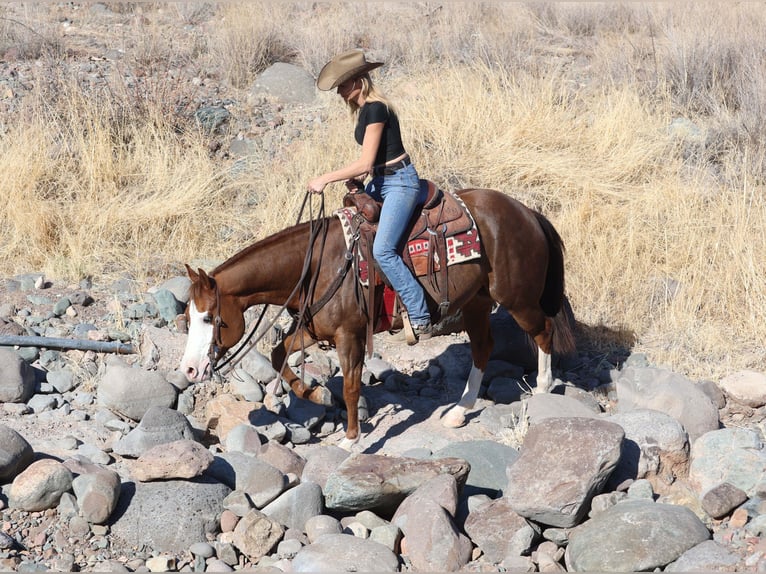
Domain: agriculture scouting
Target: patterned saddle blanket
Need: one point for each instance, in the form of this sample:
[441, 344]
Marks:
[444, 230]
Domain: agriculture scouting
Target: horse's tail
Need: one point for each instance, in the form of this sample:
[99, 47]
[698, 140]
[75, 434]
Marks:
[553, 300]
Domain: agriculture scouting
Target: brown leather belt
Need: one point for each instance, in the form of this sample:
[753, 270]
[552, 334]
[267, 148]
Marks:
[391, 169]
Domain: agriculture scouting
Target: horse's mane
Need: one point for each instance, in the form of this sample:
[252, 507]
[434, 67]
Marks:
[277, 237]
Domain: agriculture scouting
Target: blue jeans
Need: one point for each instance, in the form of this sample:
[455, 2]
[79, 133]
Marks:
[401, 194]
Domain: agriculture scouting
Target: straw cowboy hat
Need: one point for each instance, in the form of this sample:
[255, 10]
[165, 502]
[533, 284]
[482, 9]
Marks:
[342, 67]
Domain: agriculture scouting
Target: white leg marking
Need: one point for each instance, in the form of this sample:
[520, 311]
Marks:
[455, 417]
[195, 360]
[544, 372]
[346, 443]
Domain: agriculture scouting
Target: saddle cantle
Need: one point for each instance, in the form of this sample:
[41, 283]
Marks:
[441, 234]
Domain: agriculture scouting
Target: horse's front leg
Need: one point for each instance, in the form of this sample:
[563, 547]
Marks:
[291, 343]
[351, 356]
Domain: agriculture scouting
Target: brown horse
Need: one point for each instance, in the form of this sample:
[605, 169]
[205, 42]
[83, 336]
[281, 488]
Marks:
[521, 268]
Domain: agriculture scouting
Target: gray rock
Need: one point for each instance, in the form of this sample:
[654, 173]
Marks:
[733, 455]
[303, 412]
[344, 553]
[670, 393]
[97, 490]
[285, 82]
[321, 524]
[132, 391]
[708, 556]
[548, 405]
[489, 461]
[499, 532]
[17, 379]
[722, 499]
[168, 515]
[434, 544]
[746, 388]
[16, 454]
[377, 482]
[243, 438]
[178, 286]
[159, 425]
[62, 380]
[634, 536]
[563, 464]
[656, 446]
[167, 305]
[295, 506]
[261, 481]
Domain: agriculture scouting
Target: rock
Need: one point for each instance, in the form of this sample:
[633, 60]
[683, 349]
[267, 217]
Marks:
[425, 518]
[670, 393]
[372, 482]
[708, 556]
[296, 505]
[132, 391]
[282, 457]
[344, 553]
[634, 536]
[733, 455]
[656, 447]
[548, 405]
[178, 459]
[96, 488]
[499, 531]
[256, 535]
[225, 412]
[722, 499]
[563, 464]
[261, 481]
[16, 454]
[17, 379]
[40, 486]
[321, 463]
[488, 460]
[286, 83]
[159, 425]
[168, 515]
[321, 524]
[746, 388]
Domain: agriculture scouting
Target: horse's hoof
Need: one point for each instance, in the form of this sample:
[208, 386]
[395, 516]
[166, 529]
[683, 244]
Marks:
[321, 396]
[347, 443]
[454, 418]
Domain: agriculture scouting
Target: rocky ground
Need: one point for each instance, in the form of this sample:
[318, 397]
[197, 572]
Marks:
[66, 420]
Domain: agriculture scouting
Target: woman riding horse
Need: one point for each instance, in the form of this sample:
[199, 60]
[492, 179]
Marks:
[395, 179]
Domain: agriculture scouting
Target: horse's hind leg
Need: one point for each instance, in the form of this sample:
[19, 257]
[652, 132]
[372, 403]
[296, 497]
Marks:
[540, 328]
[292, 342]
[476, 320]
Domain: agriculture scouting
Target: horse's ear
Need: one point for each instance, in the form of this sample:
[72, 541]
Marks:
[205, 279]
[192, 274]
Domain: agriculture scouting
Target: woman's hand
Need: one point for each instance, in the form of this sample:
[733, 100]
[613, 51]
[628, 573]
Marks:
[317, 185]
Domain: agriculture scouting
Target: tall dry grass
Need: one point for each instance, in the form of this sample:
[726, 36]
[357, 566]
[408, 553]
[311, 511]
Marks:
[637, 128]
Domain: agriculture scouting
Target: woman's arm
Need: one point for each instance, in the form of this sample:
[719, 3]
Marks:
[359, 167]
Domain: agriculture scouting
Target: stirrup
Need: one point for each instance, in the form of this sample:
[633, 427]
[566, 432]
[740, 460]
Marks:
[409, 333]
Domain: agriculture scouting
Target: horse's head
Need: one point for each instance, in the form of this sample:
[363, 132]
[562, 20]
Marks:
[215, 324]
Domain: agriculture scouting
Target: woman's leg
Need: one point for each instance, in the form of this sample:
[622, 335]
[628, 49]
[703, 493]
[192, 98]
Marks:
[401, 195]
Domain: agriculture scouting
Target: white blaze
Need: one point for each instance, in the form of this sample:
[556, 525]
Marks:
[195, 360]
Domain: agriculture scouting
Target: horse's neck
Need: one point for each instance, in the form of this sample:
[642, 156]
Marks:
[267, 271]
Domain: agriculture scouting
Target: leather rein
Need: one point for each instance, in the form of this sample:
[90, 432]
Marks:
[318, 227]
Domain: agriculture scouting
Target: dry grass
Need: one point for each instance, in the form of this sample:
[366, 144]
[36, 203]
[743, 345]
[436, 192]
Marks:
[637, 128]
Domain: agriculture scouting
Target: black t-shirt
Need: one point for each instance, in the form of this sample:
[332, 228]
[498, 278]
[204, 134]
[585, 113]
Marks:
[391, 145]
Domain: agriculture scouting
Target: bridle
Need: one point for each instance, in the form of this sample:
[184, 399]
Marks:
[318, 226]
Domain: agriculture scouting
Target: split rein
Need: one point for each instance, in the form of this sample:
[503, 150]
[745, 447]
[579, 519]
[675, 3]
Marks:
[318, 226]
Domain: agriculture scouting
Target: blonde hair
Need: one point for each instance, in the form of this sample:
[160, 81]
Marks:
[371, 94]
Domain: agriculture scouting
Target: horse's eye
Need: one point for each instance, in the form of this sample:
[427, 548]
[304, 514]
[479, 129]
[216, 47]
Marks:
[207, 319]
